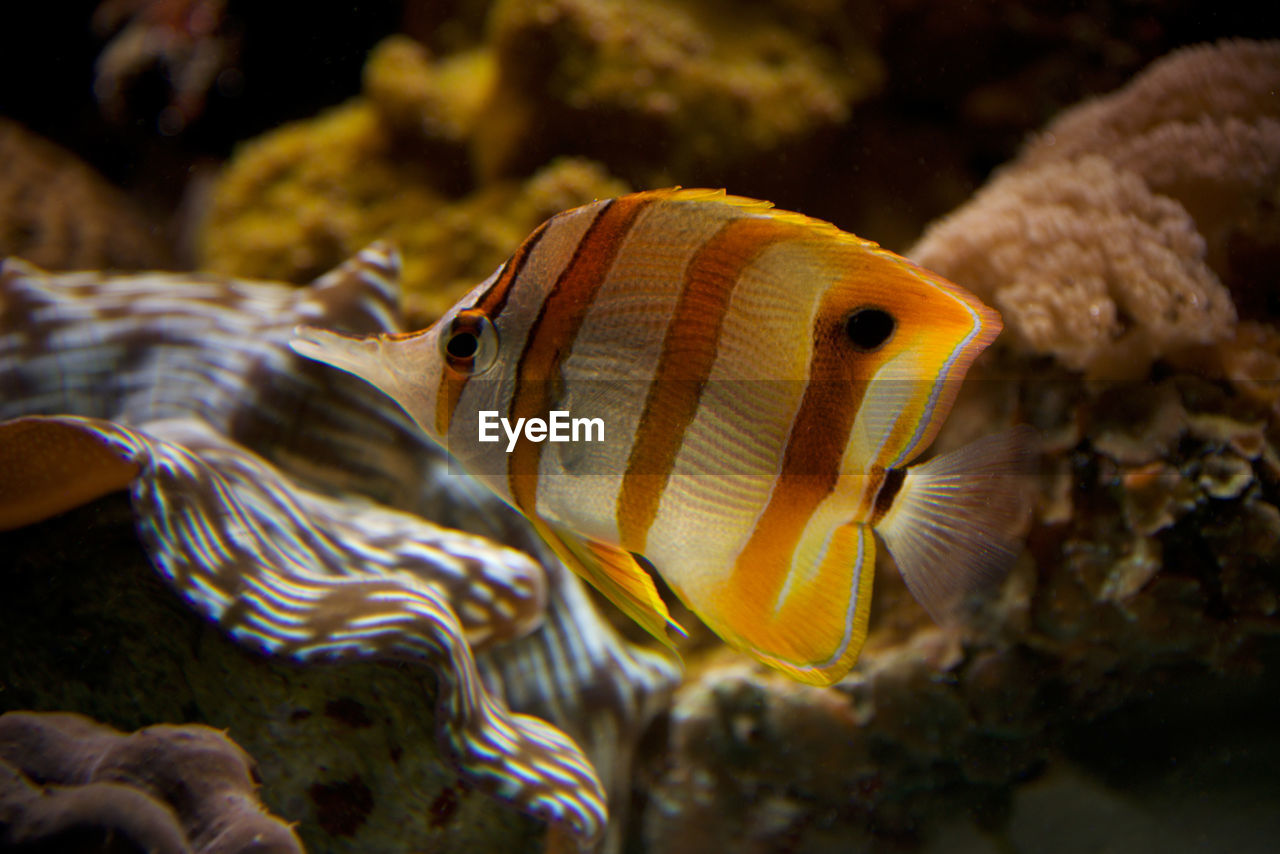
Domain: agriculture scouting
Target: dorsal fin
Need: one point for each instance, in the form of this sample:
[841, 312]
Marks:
[359, 296]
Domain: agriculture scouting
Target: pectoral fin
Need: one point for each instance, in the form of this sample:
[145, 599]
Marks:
[958, 521]
[616, 574]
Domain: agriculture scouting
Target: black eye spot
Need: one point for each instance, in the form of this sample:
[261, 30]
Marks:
[463, 345]
[869, 328]
[470, 345]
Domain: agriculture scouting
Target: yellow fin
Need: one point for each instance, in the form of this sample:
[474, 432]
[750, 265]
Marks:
[813, 626]
[958, 521]
[759, 207]
[616, 574]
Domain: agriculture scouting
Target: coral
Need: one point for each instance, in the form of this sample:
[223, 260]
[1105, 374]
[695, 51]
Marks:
[1086, 263]
[1153, 562]
[185, 39]
[301, 199]
[1161, 569]
[1201, 127]
[59, 213]
[66, 780]
[458, 158]
[661, 91]
[438, 102]
[1106, 241]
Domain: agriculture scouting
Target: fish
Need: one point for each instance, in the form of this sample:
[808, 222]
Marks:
[762, 380]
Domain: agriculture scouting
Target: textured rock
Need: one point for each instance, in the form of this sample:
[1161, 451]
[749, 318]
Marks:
[57, 212]
[66, 780]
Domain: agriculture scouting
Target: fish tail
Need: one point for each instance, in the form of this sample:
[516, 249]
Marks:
[958, 521]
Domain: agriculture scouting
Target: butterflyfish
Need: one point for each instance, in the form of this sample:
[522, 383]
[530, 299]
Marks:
[751, 385]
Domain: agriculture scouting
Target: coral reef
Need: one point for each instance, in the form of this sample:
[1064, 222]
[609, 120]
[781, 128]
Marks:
[1130, 247]
[662, 90]
[561, 79]
[70, 783]
[303, 198]
[458, 150]
[59, 213]
[349, 752]
[1153, 563]
[1106, 242]
[291, 563]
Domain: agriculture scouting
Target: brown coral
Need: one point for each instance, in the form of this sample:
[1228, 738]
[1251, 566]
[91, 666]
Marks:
[57, 212]
[1201, 126]
[66, 780]
[1105, 241]
[1086, 263]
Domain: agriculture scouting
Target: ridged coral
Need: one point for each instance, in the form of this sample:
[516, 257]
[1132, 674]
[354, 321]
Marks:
[266, 498]
[70, 783]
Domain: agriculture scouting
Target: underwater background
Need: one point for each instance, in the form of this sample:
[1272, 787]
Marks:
[1105, 174]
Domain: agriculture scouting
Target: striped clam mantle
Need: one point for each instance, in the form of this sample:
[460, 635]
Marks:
[289, 503]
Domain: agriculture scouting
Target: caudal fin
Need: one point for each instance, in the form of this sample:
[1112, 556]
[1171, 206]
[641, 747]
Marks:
[959, 520]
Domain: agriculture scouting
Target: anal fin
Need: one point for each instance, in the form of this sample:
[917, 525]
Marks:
[958, 521]
[616, 574]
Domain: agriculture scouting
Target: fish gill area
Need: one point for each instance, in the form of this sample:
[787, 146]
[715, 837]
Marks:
[1105, 174]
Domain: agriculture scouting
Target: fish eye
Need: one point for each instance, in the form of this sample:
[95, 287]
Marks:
[869, 328]
[462, 345]
[470, 346]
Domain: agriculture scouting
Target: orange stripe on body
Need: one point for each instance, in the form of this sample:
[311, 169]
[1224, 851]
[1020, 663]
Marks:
[554, 329]
[689, 351]
[811, 468]
[447, 395]
[491, 302]
[494, 300]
